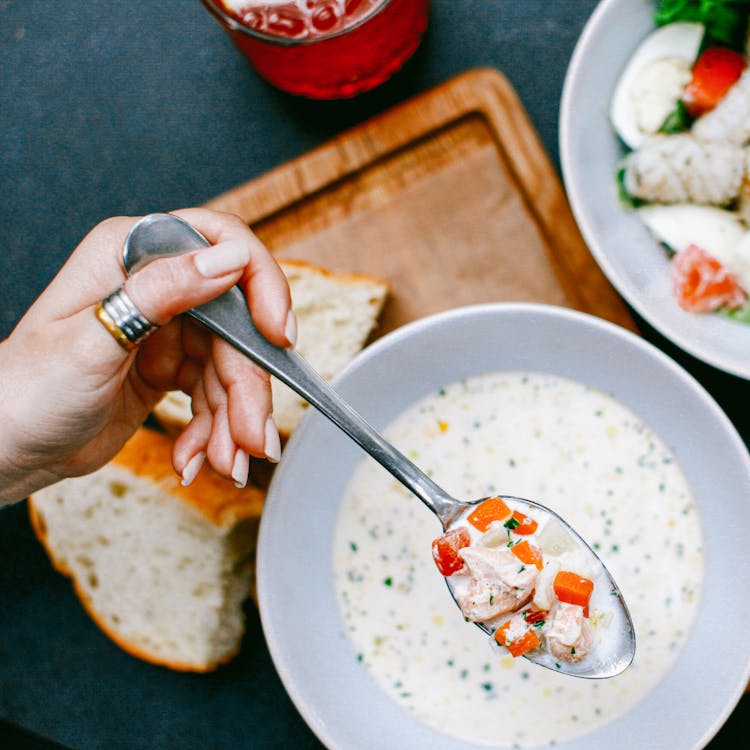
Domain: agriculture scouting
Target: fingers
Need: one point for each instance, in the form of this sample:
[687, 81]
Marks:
[174, 357]
[170, 286]
[249, 408]
[232, 419]
[233, 405]
[266, 286]
[161, 357]
[161, 291]
[189, 449]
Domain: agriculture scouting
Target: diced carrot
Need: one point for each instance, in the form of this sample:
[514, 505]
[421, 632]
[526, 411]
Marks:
[517, 646]
[572, 588]
[523, 524]
[714, 73]
[702, 283]
[493, 509]
[445, 550]
[527, 554]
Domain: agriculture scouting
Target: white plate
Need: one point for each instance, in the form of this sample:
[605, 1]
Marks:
[334, 693]
[590, 152]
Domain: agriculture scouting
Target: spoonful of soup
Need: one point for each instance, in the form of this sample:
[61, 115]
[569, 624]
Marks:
[513, 566]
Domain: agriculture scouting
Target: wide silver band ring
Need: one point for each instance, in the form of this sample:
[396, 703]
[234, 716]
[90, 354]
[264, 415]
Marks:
[124, 321]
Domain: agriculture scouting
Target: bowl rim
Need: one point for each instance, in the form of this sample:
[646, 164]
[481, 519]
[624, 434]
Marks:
[285, 667]
[575, 73]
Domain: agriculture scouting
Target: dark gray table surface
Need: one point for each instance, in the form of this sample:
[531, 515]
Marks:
[131, 106]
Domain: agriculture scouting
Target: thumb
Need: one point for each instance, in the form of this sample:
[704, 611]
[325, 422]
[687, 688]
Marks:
[160, 291]
[169, 286]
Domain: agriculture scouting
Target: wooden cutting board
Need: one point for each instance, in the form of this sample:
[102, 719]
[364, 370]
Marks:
[449, 197]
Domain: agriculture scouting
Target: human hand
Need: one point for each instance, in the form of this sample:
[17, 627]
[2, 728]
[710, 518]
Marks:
[70, 395]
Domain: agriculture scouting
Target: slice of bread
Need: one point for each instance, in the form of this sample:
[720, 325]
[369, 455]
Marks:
[163, 569]
[335, 312]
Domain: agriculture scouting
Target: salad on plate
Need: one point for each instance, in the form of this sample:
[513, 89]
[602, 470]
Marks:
[682, 108]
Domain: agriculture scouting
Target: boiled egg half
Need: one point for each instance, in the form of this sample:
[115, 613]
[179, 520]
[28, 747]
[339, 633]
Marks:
[654, 80]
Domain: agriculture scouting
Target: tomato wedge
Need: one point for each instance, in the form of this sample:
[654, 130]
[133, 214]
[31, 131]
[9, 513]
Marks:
[715, 71]
[445, 550]
[533, 616]
[702, 284]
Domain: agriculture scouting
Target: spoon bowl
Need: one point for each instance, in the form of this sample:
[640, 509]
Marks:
[615, 651]
[163, 235]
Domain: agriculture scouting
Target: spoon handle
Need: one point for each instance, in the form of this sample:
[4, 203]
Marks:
[161, 235]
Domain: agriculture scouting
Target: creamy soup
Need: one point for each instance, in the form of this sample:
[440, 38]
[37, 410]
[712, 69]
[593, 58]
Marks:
[563, 444]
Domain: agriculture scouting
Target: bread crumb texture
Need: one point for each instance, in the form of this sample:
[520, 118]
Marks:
[162, 569]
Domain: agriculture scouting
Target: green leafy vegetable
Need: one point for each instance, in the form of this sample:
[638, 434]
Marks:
[726, 21]
[740, 314]
[678, 120]
[511, 523]
[627, 200]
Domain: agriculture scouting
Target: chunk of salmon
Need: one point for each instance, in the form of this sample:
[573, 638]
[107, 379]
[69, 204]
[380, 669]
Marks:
[568, 633]
[499, 582]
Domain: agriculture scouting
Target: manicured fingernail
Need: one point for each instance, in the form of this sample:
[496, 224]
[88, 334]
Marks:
[240, 468]
[192, 468]
[272, 446]
[222, 258]
[290, 331]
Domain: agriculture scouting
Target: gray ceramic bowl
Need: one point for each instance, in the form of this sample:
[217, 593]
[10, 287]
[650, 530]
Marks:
[333, 692]
[590, 152]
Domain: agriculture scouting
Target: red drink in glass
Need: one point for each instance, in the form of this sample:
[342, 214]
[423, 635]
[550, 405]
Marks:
[324, 49]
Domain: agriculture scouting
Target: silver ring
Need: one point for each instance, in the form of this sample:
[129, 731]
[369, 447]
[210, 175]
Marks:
[124, 321]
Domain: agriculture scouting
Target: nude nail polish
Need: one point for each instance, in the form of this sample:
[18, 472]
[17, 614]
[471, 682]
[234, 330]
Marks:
[192, 467]
[290, 330]
[272, 446]
[221, 259]
[240, 468]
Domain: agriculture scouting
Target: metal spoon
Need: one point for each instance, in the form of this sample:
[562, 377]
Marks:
[162, 235]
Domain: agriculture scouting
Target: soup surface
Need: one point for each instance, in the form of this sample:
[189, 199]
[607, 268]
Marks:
[570, 447]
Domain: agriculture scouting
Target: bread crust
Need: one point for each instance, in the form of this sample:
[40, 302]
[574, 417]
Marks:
[291, 263]
[37, 525]
[148, 455]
